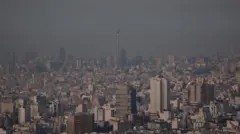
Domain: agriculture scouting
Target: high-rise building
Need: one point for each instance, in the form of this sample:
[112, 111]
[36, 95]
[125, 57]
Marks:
[109, 62]
[8, 124]
[27, 113]
[133, 100]
[108, 112]
[34, 107]
[207, 93]
[158, 63]
[78, 63]
[21, 111]
[126, 101]
[34, 110]
[70, 125]
[86, 105]
[99, 115]
[237, 75]
[117, 48]
[12, 62]
[21, 115]
[138, 60]
[122, 58]
[62, 55]
[56, 107]
[19, 103]
[42, 103]
[194, 93]
[122, 101]
[171, 60]
[80, 123]
[159, 95]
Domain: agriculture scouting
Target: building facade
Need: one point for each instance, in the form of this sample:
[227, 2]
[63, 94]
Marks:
[159, 95]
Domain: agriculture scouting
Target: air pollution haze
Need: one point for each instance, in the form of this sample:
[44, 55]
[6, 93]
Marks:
[148, 28]
[119, 66]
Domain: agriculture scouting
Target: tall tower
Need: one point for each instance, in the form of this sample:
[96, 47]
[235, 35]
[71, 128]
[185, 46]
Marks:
[159, 95]
[117, 47]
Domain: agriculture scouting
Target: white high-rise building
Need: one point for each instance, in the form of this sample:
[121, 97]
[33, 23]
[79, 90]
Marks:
[21, 111]
[34, 107]
[159, 95]
[21, 115]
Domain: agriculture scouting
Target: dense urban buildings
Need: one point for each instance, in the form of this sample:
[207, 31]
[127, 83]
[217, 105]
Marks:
[176, 95]
[117, 67]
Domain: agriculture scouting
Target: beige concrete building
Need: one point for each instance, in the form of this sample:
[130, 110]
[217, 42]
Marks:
[159, 95]
[6, 107]
[194, 93]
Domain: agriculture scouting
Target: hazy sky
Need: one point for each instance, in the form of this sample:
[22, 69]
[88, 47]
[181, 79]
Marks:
[148, 27]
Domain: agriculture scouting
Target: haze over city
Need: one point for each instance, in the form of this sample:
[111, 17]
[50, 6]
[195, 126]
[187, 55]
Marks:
[119, 67]
[87, 28]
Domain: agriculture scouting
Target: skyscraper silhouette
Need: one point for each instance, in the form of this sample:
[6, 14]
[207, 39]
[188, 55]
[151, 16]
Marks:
[122, 58]
[62, 55]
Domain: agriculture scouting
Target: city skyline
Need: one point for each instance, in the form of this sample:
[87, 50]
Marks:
[65, 67]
